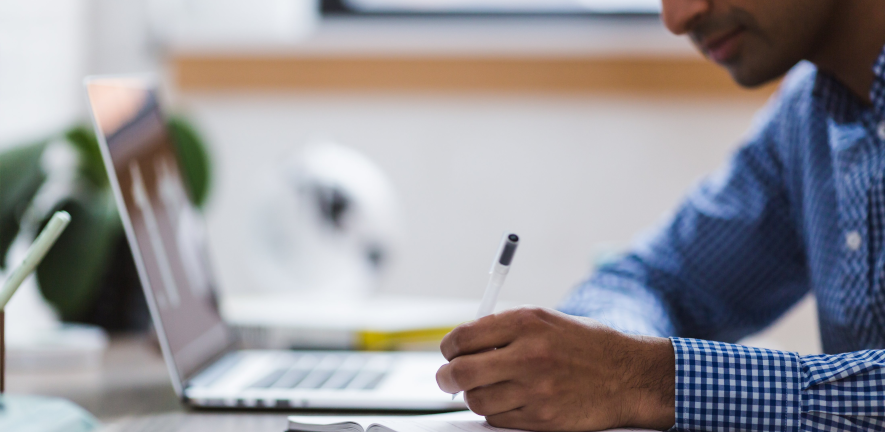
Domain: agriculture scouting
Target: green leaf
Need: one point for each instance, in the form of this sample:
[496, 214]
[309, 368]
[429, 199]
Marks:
[70, 273]
[193, 157]
[92, 166]
[20, 177]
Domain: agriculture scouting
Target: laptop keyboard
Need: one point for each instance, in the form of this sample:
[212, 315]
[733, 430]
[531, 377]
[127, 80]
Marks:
[328, 371]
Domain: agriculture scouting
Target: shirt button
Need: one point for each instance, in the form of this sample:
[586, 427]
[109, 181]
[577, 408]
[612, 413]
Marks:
[881, 130]
[853, 240]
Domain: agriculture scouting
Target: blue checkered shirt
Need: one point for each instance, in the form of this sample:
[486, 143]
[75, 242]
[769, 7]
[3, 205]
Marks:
[799, 208]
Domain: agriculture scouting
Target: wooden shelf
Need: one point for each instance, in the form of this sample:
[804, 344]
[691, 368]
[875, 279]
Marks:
[465, 55]
[642, 75]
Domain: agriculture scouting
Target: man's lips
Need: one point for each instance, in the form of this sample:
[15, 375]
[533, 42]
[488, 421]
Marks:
[722, 48]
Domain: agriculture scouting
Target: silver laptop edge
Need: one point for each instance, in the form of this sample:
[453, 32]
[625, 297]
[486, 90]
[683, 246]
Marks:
[151, 81]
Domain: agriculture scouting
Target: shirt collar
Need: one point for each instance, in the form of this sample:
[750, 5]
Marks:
[841, 104]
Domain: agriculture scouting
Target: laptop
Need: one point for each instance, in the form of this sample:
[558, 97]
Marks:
[166, 236]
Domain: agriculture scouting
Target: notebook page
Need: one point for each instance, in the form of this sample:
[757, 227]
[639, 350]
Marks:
[401, 424]
[461, 421]
[321, 423]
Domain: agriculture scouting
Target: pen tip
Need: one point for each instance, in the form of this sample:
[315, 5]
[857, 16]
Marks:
[62, 215]
[513, 237]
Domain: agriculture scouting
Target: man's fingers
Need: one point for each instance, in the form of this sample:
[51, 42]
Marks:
[496, 398]
[474, 370]
[493, 331]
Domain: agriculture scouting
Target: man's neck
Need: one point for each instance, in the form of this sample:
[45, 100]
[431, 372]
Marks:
[851, 44]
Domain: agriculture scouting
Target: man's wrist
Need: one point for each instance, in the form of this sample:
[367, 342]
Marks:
[650, 383]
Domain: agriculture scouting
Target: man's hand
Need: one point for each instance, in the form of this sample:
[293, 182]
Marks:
[538, 369]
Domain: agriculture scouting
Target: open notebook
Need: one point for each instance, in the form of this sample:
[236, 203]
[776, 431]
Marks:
[462, 421]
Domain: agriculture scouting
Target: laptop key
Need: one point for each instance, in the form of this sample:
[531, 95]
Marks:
[349, 368]
[323, 371]
[366, 380]
[340, 379]
[315, 379]
[291, 378]
[375, 381]
[269, 379]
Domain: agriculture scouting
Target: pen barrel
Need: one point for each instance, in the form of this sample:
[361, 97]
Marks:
[490, 297]
[35, 254]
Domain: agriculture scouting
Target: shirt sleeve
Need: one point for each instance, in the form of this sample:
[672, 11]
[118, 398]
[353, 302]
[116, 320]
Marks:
[727, 387]
[727, 263]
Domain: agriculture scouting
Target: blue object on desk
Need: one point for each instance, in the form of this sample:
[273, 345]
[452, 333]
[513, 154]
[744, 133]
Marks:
[43, 414]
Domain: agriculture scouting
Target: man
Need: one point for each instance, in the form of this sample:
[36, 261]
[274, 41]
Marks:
[799, 208]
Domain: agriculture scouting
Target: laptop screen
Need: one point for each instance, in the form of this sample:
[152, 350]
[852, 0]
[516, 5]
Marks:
[165, 231]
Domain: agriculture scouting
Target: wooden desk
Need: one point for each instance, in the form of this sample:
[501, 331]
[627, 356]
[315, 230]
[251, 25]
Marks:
[201, 422]
[132, 381]
[132, 393]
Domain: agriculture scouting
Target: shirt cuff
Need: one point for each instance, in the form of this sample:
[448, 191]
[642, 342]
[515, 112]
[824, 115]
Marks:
[721, 387]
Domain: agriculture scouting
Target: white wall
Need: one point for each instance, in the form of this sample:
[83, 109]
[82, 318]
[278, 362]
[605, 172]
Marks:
[121, 40]
[43, 57]
[565, 173]
[571, 175]
[48, 46]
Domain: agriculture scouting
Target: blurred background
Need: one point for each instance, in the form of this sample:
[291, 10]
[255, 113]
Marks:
[575, 123]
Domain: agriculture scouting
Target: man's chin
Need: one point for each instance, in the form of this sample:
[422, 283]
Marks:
[749, 78]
